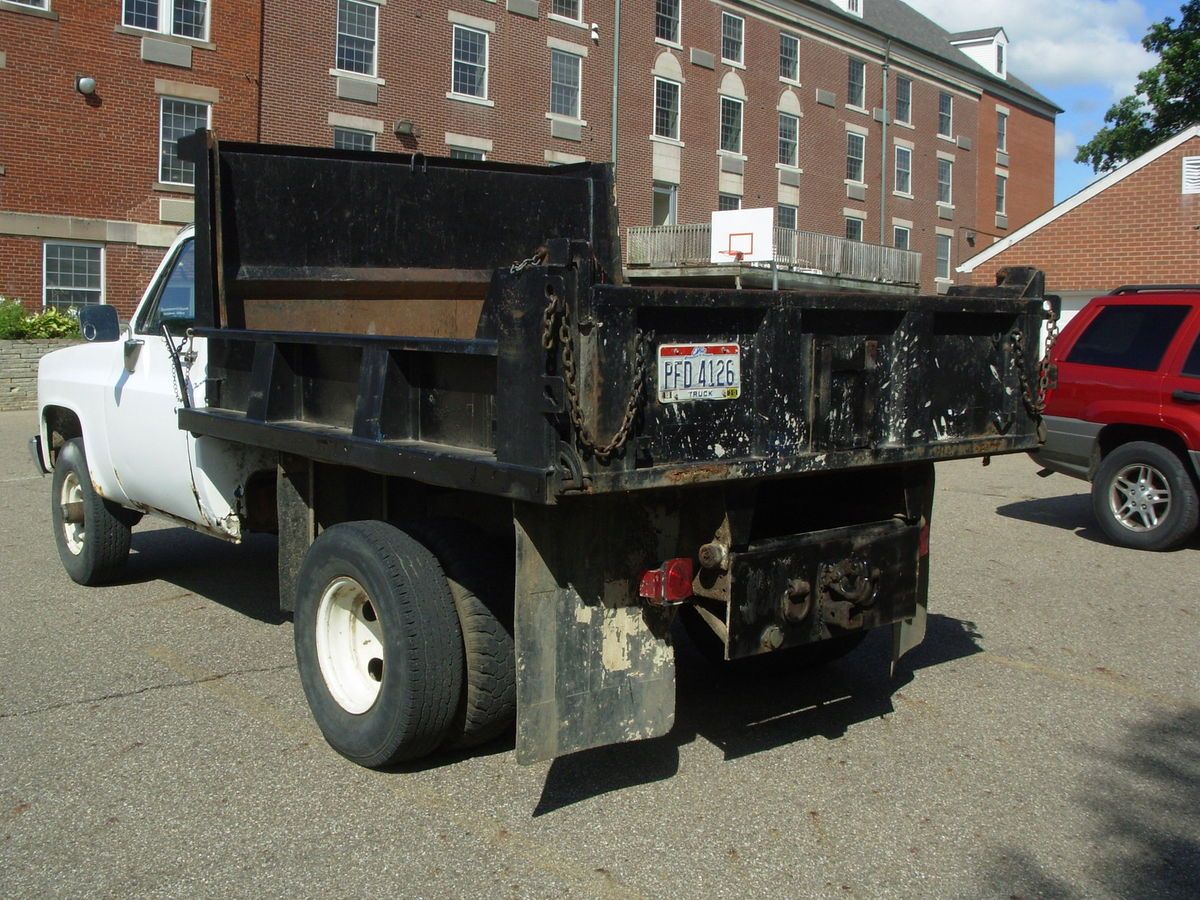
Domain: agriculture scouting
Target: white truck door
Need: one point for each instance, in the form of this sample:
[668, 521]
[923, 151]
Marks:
[149, 451]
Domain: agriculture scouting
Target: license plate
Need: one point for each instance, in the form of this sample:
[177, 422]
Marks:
[699, 372]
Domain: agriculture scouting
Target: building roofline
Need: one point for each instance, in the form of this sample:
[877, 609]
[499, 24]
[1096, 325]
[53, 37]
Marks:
[1076, 200]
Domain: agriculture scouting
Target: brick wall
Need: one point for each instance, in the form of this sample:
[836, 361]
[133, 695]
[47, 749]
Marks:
[18, 371]
[1141, 230]
[97, 157]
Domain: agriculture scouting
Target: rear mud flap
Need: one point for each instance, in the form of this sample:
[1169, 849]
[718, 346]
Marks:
[594, 666]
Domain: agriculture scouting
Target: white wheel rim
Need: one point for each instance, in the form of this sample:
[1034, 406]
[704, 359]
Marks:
[1139, 497]
[71, 494]
[350, 645]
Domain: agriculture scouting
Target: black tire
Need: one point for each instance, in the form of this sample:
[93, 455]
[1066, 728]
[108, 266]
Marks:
[807, 656]
[480, 577]
[420, 670]
[1173, 520]
[99, 545]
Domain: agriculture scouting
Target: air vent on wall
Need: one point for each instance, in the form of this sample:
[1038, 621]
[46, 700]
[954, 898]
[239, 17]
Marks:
[1191, 174]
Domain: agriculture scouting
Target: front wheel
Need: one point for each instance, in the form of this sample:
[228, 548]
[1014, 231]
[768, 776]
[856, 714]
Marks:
[92, 534]
[1144, 497]
[378, 643]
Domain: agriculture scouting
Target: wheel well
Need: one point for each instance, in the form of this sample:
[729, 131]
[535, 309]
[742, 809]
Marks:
[62, 425]
[1113, 436]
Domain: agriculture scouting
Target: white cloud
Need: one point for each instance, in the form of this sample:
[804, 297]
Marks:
[1065, 146]
[1056, 45]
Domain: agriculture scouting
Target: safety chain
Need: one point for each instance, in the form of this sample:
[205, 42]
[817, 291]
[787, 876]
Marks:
[557, 309]
[1035, 404]
[539, 257]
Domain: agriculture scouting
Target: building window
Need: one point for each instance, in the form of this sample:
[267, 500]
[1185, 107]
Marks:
[854, 229]
[787, 216]
[353, 139]
[856, 145]
[178, 118]
[470, 70]
[726, 202]
[36, 4]
[732, 29]
[1001, 195]
[789, 57]
[666, 108]
[856, 85]
[904, 100]
[1191, 175]
[945, 115]
[72, 274]
[943, 256]
[467, 153]
[731, 125]
[182, 18]
[666, 20]
[665, 203]
[357, 34]
[567, 9]
[900, 237]
[1002, 132]
[945, 182]
[789, 140]
[564, 83]
[999, 59]
[903, 170]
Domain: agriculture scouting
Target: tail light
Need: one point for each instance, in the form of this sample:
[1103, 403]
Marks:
[669, 584]
[923, 541]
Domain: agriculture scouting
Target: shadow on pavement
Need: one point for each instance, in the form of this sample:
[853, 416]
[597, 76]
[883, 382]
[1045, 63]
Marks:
[743, 711]
[242, 577]
[1145, 798]
[1071, 513]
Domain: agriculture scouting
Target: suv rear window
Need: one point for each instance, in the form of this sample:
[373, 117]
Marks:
[1129, 337]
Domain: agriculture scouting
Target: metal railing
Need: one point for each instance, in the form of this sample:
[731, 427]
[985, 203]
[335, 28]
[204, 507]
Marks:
[687, 246]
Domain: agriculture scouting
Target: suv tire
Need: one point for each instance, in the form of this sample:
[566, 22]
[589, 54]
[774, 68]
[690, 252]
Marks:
[1144, 497]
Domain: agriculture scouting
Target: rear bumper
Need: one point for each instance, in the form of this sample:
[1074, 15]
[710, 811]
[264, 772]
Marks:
[1069, 448]
[35, 451]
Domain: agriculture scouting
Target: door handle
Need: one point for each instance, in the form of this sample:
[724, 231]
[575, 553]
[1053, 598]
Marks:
[1186, 396]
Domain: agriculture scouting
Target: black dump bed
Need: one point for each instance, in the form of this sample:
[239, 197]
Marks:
[466, 324]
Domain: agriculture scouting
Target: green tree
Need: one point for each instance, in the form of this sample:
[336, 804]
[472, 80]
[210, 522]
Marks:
[1167, 99]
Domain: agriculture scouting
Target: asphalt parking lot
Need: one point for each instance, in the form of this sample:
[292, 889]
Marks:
[1043, 742]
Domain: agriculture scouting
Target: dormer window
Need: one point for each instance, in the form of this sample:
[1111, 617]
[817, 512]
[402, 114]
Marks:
[854, 7]
[1000, 60]
[988, 47]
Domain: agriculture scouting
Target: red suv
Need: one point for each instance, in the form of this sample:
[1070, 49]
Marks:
[1125, 412]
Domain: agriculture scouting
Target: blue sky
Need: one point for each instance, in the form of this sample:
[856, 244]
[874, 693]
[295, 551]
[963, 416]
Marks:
[1083, 54]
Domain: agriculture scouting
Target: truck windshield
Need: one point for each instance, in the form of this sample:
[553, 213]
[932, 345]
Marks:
[176, 300]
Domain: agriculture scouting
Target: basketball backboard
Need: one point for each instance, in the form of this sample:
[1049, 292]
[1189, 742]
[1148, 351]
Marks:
[743, 235]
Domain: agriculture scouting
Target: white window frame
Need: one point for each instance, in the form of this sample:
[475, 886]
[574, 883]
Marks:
[577, 115]
[794, 162]
[678, 109]
[896, 229]
[937, 256]
[487, 63]
[1002, 131]
[166, 23]
[741, 40]
[374, 42]
[1001, 62]
[678, 19]
[905, 191]
[862, 157]
[90, 245]
[1001, 194]
[949, 132]
[909, 82]
[671, 192]
[158, 168]
[725, 195]
[850, 101]
[559, 17]
[788, 36]
[462, 151]
[43, 5]
[795, 213]
[741, 125]
[344, 129]
[949, 183]
[861, 229]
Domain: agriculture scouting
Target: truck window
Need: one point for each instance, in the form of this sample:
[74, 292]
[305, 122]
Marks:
[1191, 365]
[1129, 337]
[176, 300]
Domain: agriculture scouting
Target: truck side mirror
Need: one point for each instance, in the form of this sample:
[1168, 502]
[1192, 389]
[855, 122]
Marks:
[98, 324]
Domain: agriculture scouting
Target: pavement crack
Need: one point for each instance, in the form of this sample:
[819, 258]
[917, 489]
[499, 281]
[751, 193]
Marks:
[216, 676]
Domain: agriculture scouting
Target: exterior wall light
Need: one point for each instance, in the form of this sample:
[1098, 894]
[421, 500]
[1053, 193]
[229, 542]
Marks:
[405, 128]
[85, 84]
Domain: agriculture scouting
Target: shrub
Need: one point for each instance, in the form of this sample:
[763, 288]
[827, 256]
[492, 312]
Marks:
[15, 324]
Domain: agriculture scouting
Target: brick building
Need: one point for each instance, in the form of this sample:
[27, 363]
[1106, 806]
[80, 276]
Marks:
[1139, 224]
[93, 94]
[856, 117]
